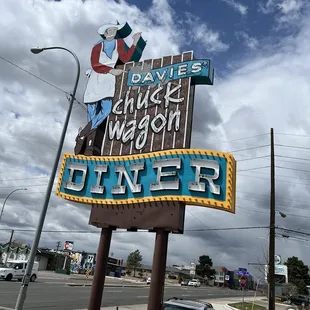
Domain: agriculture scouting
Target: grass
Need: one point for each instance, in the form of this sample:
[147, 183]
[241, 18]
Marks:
[247, 306]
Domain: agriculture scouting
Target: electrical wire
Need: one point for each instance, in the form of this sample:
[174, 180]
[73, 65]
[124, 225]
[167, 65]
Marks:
[267, 212]
[295, 169]
[125, 231]
[294, 231]
[252, 158]
[249, 148]
[292, 134]
[293, 146]
[37, 77]
[291, 157]
[255, 168]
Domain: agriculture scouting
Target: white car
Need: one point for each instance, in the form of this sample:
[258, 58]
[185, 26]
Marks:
[194, 282]
[148, 281]
[15, 269]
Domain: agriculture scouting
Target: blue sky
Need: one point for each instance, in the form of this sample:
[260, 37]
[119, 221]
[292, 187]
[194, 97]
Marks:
[245, 25]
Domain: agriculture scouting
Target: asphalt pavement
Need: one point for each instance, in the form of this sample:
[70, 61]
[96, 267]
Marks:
[54, 294]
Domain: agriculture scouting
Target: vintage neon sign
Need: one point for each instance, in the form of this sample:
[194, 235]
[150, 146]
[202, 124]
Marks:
[196, 177]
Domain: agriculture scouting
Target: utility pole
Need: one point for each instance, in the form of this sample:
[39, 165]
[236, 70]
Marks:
[272, 235]
[9, 245]
[57, 246]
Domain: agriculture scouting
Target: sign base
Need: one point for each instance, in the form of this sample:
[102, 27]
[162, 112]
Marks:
[167, 215]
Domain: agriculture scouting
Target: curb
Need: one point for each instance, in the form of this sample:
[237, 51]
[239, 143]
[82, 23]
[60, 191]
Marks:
[4, 308]
[229, 307]
[277, 303]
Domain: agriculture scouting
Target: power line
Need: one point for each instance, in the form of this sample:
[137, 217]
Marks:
[229, 228]
[39, 78]
[283, 181]
[255, 136]
[293, 146]
[125, 231]
[292, 134]
[294, 231]
[35, 76]
[287, 168]
[267, 212]
[249, 148]
[252, 158]
[255, 168]
[291, 157]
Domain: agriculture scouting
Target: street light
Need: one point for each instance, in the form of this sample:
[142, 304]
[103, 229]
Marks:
[26, 279]
[7, 197]
[283, 215]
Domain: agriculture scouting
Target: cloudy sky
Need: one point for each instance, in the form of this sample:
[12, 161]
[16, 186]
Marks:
[260, 51]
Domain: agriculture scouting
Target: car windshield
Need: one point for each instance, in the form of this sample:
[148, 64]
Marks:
[9, 265]
[174, 307]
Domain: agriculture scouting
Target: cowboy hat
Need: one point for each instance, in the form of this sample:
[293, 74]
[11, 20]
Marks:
[105, 27]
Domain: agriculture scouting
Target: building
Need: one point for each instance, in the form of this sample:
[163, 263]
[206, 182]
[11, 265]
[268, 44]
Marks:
[220, 276]
[48, 259]
[172, 272]
[59, 261]
[227, 278]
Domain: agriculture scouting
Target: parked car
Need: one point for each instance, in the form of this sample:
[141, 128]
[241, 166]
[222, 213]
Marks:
[194, 282]
[185, 304]
[185, 282]
[15, 269]
[148, 281]
[299, 300]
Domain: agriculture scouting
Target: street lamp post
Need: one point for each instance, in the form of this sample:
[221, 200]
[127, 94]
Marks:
[26, 279]
[7, 197]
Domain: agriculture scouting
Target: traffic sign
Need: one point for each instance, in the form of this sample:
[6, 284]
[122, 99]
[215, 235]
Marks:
[243, 273]
[242, 281]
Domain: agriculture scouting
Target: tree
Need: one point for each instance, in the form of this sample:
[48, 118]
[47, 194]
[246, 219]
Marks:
[134, 260]
[204, 267]
[298, 274]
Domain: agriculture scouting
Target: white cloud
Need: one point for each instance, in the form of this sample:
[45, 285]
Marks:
[237, 6]
[287, 12]
[201, 34]
[250, 42]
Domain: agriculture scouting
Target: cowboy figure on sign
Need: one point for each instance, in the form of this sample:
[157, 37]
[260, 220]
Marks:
[109, 52]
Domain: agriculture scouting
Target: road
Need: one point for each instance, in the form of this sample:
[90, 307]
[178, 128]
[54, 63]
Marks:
[55, 295]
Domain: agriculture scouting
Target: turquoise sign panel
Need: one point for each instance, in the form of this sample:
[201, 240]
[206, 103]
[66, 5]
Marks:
[200, 71]
[194, 176]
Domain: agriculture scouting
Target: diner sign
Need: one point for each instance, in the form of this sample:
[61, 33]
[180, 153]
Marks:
[197, 177]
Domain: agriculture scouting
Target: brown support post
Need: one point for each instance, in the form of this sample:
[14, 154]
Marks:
[157, 285]
[100, 269]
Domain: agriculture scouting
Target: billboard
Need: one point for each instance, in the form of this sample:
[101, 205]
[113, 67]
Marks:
[68, 246]
[280, 270]
[132, 161]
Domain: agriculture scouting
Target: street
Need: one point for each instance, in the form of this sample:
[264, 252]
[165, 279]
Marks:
[54, 294]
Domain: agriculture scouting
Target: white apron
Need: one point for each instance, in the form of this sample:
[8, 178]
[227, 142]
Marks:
[101, 85]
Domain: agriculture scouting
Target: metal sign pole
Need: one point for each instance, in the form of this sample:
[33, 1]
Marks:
[243, 298]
